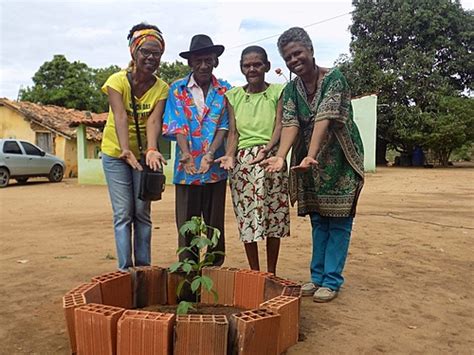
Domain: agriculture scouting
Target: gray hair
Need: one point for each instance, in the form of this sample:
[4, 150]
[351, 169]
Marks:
[294, 34]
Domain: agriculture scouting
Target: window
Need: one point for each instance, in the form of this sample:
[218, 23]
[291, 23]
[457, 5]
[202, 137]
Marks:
[44, 140]
[30, 149]
[11, 147]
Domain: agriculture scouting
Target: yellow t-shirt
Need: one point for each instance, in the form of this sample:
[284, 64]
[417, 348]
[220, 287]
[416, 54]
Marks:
[145, 105]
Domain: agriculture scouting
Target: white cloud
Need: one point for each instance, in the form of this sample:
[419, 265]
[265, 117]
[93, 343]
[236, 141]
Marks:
[94, 32]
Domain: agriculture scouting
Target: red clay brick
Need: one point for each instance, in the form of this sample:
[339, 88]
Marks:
[116, 288]
[201, 334]
[149, 285]
[224, 284]
[294, 291]
[253, 332]
[249, 288]
[288, 309]
[143, 333]
[71, 302]
[274, 286]
[90, 291]
[173, 280]
[96, 329]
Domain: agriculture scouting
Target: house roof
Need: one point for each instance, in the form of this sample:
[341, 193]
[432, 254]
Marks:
[97, 120]
[54, 118]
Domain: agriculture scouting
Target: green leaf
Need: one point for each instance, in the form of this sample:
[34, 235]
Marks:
[184, 307]
[210, 257]
[218, 253]
[216, 296]
[187, 268]
[180, 287]
[207, 282]
[195, 284]
[203, 242]
[175, 266]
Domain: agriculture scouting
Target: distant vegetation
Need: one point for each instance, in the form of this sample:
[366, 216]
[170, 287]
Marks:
[76, 85]
[416, 55]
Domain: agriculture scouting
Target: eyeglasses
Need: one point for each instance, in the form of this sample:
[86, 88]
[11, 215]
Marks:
[147, 53]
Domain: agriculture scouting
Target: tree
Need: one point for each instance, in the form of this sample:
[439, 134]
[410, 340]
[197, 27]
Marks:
[412, 53]
[100, 76]
[171, 72]
[76, 85]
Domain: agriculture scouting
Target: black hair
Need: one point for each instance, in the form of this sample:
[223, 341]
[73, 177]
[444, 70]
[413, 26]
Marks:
[141, 26]
[255, 49]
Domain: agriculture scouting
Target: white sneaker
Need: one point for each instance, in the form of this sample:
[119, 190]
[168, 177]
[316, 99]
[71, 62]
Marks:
[324, 294]
[309, 288]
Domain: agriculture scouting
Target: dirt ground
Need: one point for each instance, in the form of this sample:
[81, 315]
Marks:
[409, 274]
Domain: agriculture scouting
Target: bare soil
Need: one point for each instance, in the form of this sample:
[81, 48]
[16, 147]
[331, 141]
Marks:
[409, 274]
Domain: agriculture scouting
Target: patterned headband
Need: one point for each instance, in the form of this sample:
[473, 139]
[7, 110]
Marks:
[139, 37]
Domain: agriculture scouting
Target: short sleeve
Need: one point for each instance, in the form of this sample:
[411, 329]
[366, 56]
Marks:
[116, 81]
[224, 119]
[336, 100]
[230, 95]
[289, 118]
[176, 115]
[163, 88]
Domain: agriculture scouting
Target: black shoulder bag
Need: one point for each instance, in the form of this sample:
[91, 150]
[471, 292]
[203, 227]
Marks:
[152, 183]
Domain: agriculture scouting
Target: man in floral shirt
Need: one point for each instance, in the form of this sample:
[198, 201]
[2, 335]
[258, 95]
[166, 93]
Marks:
[196, 117]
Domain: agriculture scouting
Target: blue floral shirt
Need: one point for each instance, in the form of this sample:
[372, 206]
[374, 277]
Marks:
[182, 117]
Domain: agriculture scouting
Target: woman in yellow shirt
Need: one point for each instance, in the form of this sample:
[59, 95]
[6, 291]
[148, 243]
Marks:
[120, 153]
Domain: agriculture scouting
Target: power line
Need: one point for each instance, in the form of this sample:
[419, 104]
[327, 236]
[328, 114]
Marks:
[273, 36]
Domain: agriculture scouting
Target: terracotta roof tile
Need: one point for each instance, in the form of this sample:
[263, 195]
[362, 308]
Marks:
[56, 118]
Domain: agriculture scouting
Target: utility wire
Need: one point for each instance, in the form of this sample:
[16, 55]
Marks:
[273, 36]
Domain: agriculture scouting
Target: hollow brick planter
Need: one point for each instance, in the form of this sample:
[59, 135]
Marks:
[249, 288]
[116, 288]
[96, 329]
[254, 331]
[149, 285]
[143, 333]
[288, 309]
[224, 285]
[90, 291]
[201, 334]
[70, 302]
[270, 326]
[274, 286]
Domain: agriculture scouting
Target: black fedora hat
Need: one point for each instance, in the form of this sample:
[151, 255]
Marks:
[202, 43]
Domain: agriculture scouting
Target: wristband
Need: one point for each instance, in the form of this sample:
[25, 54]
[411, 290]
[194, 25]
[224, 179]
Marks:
[211, 153]
[150, 150]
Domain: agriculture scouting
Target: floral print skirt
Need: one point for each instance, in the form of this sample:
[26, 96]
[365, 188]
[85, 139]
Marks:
[260, 199]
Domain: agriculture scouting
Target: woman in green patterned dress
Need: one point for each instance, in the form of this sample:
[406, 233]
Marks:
[327, 164]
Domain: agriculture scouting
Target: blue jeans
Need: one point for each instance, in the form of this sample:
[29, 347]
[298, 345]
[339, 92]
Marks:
[331, 238]
[129, 210]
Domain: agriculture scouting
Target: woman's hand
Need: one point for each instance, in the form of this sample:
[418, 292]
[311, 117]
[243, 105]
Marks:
[130, 159]
[154, 160]
[227, 162]
[305, 164]
[261, 155]
[206, 162]
[188, 163]
[273, 164]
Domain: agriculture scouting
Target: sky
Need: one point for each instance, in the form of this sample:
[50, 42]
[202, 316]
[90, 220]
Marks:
[94, 32]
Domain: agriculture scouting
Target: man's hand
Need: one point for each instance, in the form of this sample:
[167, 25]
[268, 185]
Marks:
[188, 163]
[206, 163]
